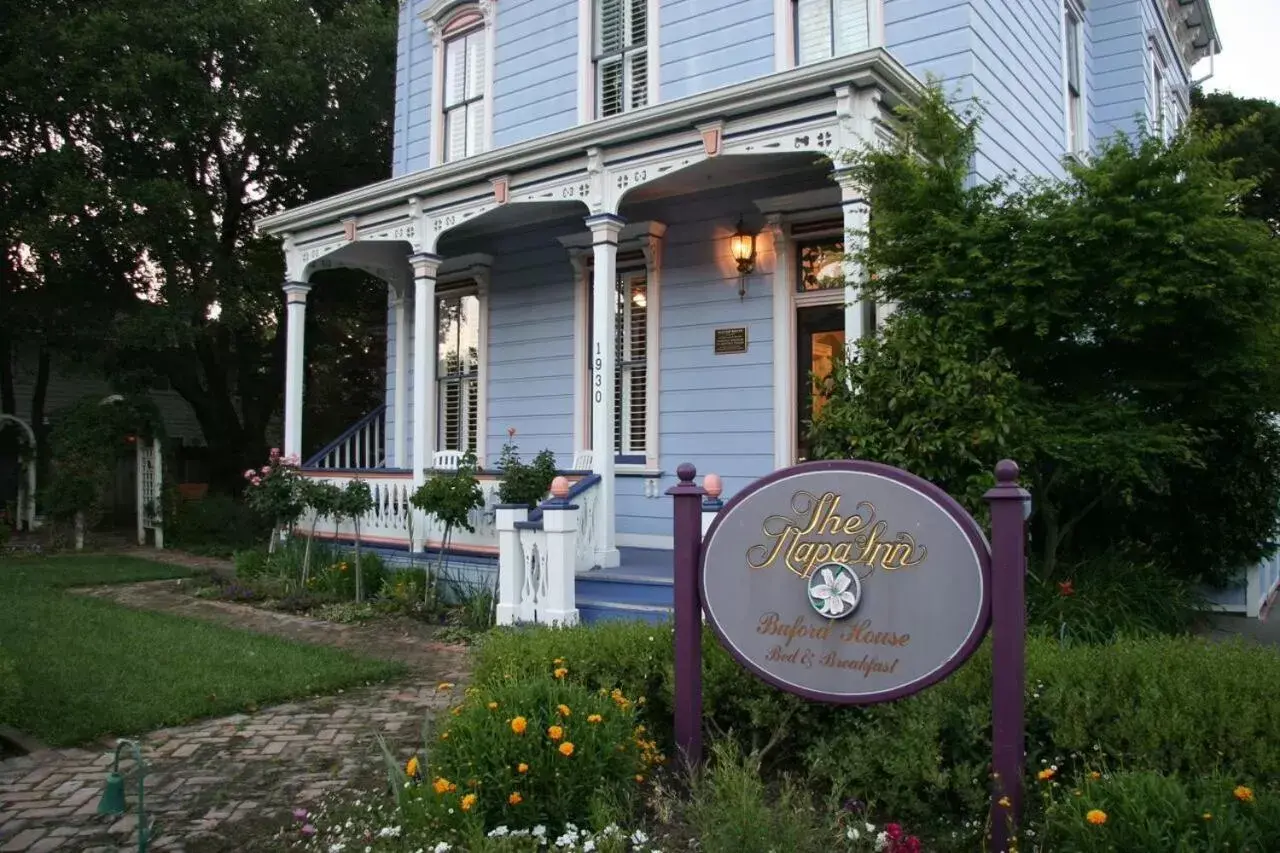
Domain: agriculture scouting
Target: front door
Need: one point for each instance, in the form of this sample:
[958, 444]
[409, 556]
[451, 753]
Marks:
[819, 344]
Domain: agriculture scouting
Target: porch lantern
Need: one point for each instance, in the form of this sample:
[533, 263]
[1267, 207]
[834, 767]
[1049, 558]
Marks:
[742, 245]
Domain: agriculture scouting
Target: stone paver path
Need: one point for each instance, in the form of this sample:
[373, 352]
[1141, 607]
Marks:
[227, 784]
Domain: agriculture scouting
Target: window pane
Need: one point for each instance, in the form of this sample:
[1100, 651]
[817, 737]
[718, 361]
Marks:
[475, 64]
[475, 127]
[639, 29]
[813, 30]
[610, 26]
[1073, 52]
[455, 71]
[821, 265]
[851, 26]
[610, 86]
[638, 78]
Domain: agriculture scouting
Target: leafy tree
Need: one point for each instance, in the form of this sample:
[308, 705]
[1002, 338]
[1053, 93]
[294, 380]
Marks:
[323, 499]
[354, 501]
[1087, 327]
[1251, 143]
[450, 496]
[173, 127]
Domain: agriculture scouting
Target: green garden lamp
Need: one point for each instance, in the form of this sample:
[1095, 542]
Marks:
[113, 802]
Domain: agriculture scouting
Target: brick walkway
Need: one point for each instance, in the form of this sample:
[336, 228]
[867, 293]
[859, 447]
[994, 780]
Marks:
[228, 784]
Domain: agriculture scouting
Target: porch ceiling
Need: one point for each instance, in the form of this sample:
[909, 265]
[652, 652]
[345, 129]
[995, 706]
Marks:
[722, 172]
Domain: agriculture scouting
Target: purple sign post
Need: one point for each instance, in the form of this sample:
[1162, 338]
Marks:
[853, 582]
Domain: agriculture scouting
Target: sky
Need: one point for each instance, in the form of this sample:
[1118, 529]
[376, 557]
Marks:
[1249, 65]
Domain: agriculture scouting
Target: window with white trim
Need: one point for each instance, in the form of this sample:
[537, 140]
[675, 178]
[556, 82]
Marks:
[620, 56]
[827, 28]
[631, 390]
[458, 368]
[1073, 33]
[1158, 96]
[463, 89]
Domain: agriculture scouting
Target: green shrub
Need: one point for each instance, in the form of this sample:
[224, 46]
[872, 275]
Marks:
[1150, 811]
[1171, 705]
[529, 751]
[215, 524]
[524, 482]
[251, 564]
[1108, 597]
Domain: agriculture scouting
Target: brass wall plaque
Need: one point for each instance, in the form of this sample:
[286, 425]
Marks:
[731, 340]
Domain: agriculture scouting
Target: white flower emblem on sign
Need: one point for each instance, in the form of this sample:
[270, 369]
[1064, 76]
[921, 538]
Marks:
[835, 590]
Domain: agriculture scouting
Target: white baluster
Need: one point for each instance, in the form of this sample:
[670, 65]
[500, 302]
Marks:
[560, 532]
[529, 586]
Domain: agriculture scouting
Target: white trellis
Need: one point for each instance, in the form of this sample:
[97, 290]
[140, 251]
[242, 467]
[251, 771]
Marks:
[27, 487]
[150, 480]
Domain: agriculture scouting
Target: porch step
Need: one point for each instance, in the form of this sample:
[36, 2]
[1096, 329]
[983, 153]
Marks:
[591, 611]
[641, 588]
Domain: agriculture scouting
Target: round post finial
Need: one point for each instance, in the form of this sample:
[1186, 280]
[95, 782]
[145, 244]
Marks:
[712, 485]
[686, 472]
[1007, 472]
[560, 488]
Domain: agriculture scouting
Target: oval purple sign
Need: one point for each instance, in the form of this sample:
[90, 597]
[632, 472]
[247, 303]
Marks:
[848, 581]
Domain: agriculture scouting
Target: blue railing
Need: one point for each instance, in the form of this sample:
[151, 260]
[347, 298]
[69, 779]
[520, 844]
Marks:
[361, 447]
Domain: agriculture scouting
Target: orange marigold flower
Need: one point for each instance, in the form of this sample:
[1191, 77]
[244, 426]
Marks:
[441, 785]
[560, 672]
[493, 706]
[1095, 775]
[519, 724]
[444, 685]
[468, 801]
[558, 661]
[1243, 794]
[555, 733]
[595, 718]
[566, 749]
[563, 710]
[515, 799]
[522, 767]
[1004, 801]
[1046, 774]
[1097, 817]
[411, 768]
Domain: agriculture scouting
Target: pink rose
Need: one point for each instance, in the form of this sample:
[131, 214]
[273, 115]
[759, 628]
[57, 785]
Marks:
[266, 469]
[250, 474]
[256, 481]
[275, 453]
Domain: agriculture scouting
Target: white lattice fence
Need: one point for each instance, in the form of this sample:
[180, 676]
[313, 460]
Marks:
[150, 479]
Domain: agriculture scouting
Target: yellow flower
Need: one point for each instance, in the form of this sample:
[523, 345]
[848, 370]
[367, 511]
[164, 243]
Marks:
[515, 799]
[468, 801]
[558, 661]
[1095, 775]
[566, 749]
[561, 672]
[1046, 774]
[1207, 816]
[522, 767]
[519, 724]
[1003, 801]
[555, 733]
[639, 779]
[411, 769]
[452, 787]
[493, 706]
[1097, 817]
[563, 710]
[1243, 794]
[444, 736]
[595, 718]
[457, 712]
[444, 685]
[441, 785]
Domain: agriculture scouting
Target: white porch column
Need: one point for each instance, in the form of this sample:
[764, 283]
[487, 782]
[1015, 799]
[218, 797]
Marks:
[857, 216]
[400, 423]
[295, 299]
[424, 362]
[604, 242]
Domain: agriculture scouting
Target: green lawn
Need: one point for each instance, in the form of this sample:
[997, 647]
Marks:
[88, 668]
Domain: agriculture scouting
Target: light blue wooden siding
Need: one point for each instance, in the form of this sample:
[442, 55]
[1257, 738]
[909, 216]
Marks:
[531, 331]
[1018, 78]
[1116, 79]
[412, 147]
[704, 44]
[535, 83]
[934, 39]
[1155, 26]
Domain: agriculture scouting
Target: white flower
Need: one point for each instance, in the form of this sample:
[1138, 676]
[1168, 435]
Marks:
[853, 834]
[498, 832]
[539, 831]
[442, 847]
[566, 839]
[336, 848]
[834, 593]
[882, 841]
[638, 837]
[871, 827]
[571, 829]
[588, 846]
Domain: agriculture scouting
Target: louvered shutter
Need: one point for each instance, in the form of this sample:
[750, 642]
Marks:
[622, 63]
[851, 33]
[637, 357]
[813, 31]
[637, 37]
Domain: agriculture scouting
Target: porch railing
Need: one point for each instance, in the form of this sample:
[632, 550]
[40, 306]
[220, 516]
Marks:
[537, 557]
[362, 447]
